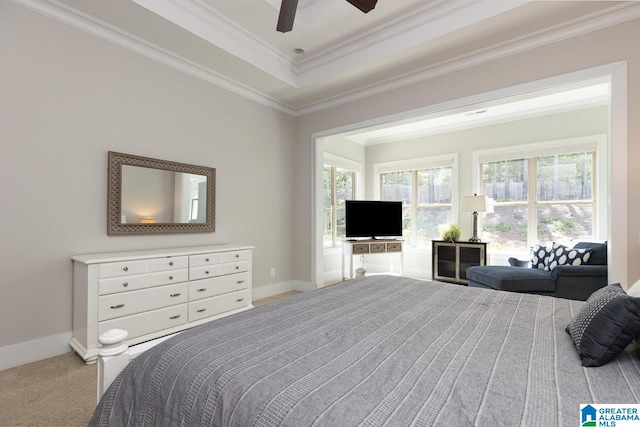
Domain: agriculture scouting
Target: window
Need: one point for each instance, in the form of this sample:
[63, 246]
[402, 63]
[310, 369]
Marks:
[339, 185]
[426, 192]
[545, 198]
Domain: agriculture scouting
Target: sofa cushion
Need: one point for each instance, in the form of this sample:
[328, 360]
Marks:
[598, 252]
[516, 279]
[606, 324]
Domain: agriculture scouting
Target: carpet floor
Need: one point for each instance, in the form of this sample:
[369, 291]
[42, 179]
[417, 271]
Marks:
[60, 391]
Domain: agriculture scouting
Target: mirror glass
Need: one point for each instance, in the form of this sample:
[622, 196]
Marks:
[148, 195]
[152, 196]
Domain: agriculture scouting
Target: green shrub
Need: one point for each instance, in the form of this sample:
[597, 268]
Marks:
[502, 227]
[565, 225]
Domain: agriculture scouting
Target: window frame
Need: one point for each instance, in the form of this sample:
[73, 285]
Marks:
[413, 165]
[349, 165]
[593, 143]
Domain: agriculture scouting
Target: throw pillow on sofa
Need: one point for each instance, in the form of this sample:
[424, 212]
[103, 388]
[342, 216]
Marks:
[598, 254]
[540, 255]
[561, 255]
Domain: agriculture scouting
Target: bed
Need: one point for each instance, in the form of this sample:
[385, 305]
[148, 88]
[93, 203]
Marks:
[378, 350]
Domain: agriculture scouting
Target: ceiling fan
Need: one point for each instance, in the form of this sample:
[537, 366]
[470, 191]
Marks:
[288, 12]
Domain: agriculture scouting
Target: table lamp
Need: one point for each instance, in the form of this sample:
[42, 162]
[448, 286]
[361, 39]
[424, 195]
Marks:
[474, 204]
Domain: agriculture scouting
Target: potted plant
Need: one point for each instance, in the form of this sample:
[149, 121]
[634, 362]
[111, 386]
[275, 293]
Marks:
[450, 232]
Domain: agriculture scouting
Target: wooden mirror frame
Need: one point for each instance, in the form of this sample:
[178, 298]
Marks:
[114, 196]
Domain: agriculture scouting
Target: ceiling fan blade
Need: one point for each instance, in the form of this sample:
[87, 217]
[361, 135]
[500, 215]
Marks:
[364, 5]
[287, 15]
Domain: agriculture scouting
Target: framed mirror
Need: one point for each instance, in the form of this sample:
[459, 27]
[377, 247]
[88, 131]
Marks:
[157, 196]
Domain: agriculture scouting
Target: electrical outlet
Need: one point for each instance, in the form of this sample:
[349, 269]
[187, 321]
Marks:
[273, 272]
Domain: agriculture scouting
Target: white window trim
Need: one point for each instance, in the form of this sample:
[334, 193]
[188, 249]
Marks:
[354, 166]
[348, 164]
[443, 160]
[559, 146]
[342, 162]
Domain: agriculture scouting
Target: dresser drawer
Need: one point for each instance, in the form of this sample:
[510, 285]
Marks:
[235, 256]
[235, 267]
[127, 303]
[167, 277]
[394, 247]
[126, 268]
[169, 263]
[204, 259]
[361, 248]
[219, 304]
[377, 248]
[122, 284]
[196, 273]
[148, 322]
[218, 285]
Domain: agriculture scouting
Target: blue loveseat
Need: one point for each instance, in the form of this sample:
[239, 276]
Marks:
[564, 281]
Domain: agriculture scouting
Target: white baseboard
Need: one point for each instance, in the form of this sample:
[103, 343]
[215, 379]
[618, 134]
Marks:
[280, 288]
[55, 345]
[302, 286]
[333, 275]
[32, 351]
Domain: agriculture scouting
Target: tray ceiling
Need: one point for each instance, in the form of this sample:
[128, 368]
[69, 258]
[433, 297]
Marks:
[347, 54]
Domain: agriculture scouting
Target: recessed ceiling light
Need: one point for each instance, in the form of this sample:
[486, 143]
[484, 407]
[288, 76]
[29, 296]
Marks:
[298, 51]
[473, 113]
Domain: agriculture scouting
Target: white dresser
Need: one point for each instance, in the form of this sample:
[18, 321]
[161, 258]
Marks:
[157, 292]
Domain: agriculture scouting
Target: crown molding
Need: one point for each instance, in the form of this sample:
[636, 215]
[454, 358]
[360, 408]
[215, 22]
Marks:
[426, 14]
[434, 19]
[612, 16]
[207, 23]
[81, 21]
[425, 24]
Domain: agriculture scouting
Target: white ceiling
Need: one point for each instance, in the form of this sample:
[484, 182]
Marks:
[348, 54]
[571, 97]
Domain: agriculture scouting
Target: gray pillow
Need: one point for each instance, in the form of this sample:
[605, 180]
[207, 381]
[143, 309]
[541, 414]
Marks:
[605, 325]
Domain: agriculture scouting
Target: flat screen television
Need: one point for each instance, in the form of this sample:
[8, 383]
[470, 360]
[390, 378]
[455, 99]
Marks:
[368, 218]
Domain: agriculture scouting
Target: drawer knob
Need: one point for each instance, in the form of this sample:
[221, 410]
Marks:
[170, 262]
[206, 259]
[175, 317]
[237, 267]
[176, 295]
[240, 281]
[117, 306]
[206, 272]
[170, 277]
[202, 289]
[240, 300]
[201, 310]
[125, 284]
[237, 255]
[125, 268]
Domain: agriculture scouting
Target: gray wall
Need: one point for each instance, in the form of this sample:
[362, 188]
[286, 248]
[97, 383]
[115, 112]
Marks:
[574, 124]
[67, 99]
[605, 46]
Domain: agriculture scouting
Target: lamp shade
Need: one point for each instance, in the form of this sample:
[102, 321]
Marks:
[474, 203]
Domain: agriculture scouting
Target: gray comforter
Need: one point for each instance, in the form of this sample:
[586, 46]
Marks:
[374, 351]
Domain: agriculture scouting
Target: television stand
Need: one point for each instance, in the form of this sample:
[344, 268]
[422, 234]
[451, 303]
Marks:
[350, 248]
